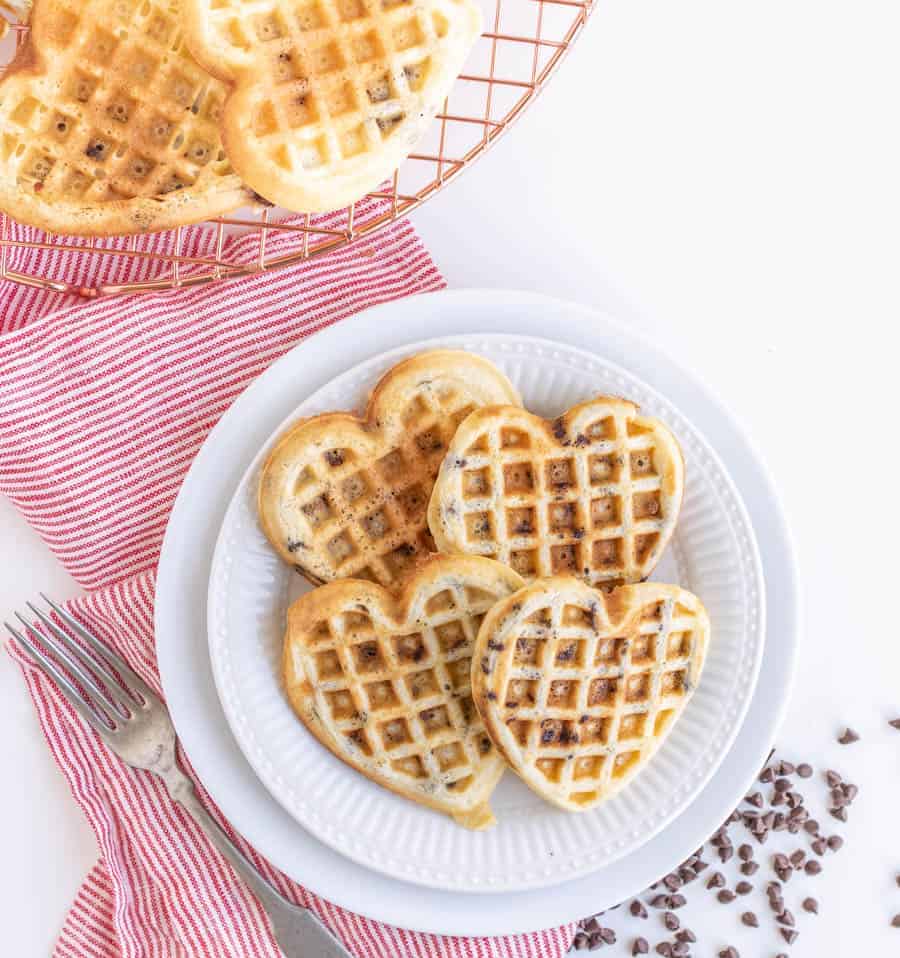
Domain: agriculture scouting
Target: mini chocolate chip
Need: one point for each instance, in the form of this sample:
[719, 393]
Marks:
[812, 867]
[725, 853]
[745, 853]
[786, 918]
[895, 723]
[743, 888]
[755, 799]
[637, 909]
[580, 941]
[664, 949]
[785, 768]
[850, 791]
[835, 842]
[750, 919]
[780, 861]
[676, 901]
[686, 874]
[749, 868]
[700, 866]
[591, 925]
[811, 905]
[895, 921]
[725, 896]
[789, 935]
[671, 921]
[686, 935]
[640, 947]
[595, 941]
[804, 770]
[838, 799]
[832, 778]
[660, 901]
[672, 882]
[819, 846]
[608, 936]
[776, 903]
[839, 813]
[716, 880]
[811, 826]
[772, 888]
[782, 785]
[848, 737]
[798, 858]
[680, 949]
[766, 776]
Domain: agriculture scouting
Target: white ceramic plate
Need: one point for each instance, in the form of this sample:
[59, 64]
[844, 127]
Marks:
[534, 844]
[181, 625]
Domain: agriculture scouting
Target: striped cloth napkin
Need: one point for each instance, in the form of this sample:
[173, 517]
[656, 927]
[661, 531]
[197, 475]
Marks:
[103, 405]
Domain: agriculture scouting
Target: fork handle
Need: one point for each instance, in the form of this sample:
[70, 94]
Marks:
[297, 930]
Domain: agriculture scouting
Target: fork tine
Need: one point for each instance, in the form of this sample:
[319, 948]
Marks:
[98, 720]
[84, 666]
[132, 680]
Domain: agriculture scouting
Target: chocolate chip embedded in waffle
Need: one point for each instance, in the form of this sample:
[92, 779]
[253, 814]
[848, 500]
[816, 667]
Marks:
[329, 96]
[107, 124]
[578, 688]
[383, 680]
[346, 496]
[595, 493]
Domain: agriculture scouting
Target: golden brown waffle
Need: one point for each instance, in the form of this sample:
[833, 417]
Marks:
[107, 125]
[329, 95]
[346, 496]
[595, 493]
[578, 688]
[382, 679]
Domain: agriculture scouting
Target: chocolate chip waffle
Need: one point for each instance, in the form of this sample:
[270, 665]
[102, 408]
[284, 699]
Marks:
[382, 679]
[108, 126]
[578, 688]
[329, 96]
[346, 496]
[595, 493]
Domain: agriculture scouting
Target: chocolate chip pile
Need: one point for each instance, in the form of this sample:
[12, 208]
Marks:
[778, 806]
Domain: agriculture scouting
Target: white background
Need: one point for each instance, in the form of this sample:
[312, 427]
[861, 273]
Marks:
[725, 176]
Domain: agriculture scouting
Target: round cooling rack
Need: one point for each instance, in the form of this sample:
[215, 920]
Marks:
[523, 42]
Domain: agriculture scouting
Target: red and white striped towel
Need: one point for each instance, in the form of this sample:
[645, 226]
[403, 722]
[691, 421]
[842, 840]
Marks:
[102, 407]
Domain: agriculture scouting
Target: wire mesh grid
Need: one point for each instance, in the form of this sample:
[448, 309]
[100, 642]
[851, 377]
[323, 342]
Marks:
[522, 44]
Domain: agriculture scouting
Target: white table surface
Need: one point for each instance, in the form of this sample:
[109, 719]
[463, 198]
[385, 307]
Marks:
[725, 176]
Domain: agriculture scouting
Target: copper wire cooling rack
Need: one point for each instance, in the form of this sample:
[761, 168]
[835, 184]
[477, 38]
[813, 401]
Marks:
[522, 45]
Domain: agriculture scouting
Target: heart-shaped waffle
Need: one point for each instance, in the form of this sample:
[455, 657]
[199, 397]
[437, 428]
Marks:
[329, 96]
[578, 688]
[383, 679]
[595, 493]
[108, 125]
[346, 496]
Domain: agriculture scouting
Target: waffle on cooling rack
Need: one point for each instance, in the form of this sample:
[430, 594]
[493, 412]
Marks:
[329, 96]
[595, 493]
[108, 126]
[578, 688]
[346, 496]
[382, 679]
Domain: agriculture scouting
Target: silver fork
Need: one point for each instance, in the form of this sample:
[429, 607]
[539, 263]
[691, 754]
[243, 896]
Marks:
[135, 724]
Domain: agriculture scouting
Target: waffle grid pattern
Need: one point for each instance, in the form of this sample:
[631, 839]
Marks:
[403, 701]
[121, 112]
[368, 520]
[591, 509]
[345, 72]
[586, 708]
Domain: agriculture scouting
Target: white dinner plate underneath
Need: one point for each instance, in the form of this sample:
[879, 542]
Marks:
[181, 622]
[534, 844]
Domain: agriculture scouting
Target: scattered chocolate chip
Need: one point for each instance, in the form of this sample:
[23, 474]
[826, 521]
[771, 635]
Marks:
[745, 853]
[782, 785]
[798, 858]
[835, 842]
[671, 921]
[785, 768]
[637, 909]
[676, 901]
[811, 826]
[750, 920]
[580, 941]
[595, 941]
[832, 778]
[772, 888]
[895, 723]
[777, 904]
[664, 949]
[819, 846]
[755, 799]
[725, 896]
[725, 853]
[837, 797]
[812, 867]
[640, 947]
[591, 925]
[848, 737]
[850, 792]
[766, 776]
[659, 901]
[811, 905]
[729, 952]
[607, 936]
[686, 935]
[804, 770]
[716, 880]
[672, 882]
[700, 866]
[680, 949]
[780, 861]
[749, 868]
[743, 888]
[898, 881]
[789, 935]
[786, 918]
[895, 921]
[839, 813]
